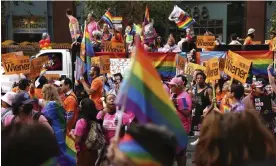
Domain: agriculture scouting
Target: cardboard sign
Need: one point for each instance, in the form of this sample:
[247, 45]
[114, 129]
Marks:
[114, 47]
[17, 65]
[119, 65]
[205, 42]
[212, 69]
[103, 62]
[51, 77]
[263, 104]
[37, 65]
[11, 55]
[180, 62]
[191, 67]
[237, 66]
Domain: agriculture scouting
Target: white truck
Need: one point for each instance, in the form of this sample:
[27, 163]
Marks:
[7, 81]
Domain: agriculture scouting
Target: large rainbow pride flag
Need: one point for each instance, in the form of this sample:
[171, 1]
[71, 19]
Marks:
[164, 63]
[186, 22]
[107, 17]
[142, 92]
[260, 61]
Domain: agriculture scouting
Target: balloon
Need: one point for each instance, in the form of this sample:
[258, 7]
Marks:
[40, 42]
[45, 44]
[47, 40]
[41, 45]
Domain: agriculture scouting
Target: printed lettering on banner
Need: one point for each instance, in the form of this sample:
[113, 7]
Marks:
[212, 69]
[119, 65]
[205, 42]
[52, 77]
[191, 67]
[114, 47]
[17, 65]
[37, 66]
[237, 66]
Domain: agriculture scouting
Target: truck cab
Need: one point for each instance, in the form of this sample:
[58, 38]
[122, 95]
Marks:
[7, 81]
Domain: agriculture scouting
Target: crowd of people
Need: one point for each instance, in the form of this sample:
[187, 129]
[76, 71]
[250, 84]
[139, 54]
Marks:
[55, 106]
[37, 116]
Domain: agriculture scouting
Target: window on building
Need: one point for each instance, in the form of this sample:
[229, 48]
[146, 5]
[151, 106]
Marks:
[55, 61]
[212, 25]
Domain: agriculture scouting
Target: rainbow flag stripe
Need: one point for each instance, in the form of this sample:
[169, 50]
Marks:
[164, 63]
[147, 17]
[186, 22]
[116, 18]
[143, 93]
[260, 59]
[136, 152]
[107, 17]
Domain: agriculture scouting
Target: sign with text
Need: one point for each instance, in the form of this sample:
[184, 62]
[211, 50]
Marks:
[103, 62]
[37, 65]
[191, 67]
[212, 69]
[29, 24]
[180, 62]
[51, 77]
[263, 104]
[237, 66]
[114, 47]
[11, 55]
[20, 64]
[205, 42]
[119, 65]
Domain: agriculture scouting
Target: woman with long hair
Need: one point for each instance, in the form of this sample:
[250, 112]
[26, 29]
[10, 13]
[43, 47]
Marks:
[88, 113]
[235, 139]
[55, 113]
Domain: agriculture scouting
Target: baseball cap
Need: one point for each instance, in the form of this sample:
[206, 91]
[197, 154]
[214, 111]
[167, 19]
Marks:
[9, 97]
[176, 81]
[22, 98]
[250, 31]
[259, 83]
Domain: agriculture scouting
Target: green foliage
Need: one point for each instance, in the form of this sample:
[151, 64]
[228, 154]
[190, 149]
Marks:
[273, 17]
[134, 10]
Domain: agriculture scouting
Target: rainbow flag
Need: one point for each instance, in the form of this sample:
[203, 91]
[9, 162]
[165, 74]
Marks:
[107, 17]
[56, 113]
[142, 92]
[260, 61]
[117, 19]
[164, 63]
[136, 152]
[147, 18]
[185, 22]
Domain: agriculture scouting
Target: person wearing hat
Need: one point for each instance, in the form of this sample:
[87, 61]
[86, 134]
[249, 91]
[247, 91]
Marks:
[22, 109]
[6, 104]
[257, 90]
[250, 37]
[183, 104]
[272, 42]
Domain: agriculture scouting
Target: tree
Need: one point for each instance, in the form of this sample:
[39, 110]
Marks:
[135, 10]
[273, 17]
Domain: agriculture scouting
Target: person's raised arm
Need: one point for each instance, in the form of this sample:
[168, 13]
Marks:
[86, 87]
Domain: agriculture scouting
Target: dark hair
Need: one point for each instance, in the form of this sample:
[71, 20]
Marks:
[238, 91]
[42, 81]
[220, 84]
[69, 12]
[202, 74]
[251, 35]
[23, 84]
[97, 69]
[234, 36]
[120, 75]
[88, 110]
[155, 41]
[130, 23]
[27, 109]
[183, 78]
[182, 35]
[67, 81]
[27, 144]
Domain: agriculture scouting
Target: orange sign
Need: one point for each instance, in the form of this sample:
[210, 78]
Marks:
[205, 42]
[103, 62]
[37, 65]
[180, 62]
[16, 65]
[52, 77]
[114, 47]
[212, 69]
[11, 55]
[257, 42]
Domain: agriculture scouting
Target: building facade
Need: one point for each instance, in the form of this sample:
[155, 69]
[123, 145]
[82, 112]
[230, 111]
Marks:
[27, 20]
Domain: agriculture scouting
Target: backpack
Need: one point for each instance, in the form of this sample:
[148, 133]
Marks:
[95, 138]
[38, 114]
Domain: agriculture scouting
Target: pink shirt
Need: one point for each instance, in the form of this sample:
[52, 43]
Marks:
[184, 102]
[81, 130]
[92, 26]
[109, 124]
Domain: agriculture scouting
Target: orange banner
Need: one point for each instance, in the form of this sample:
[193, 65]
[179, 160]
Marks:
[114, 47]
[17, 65]
[207, 42]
